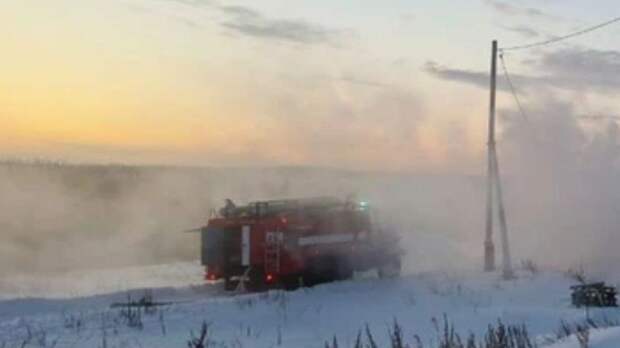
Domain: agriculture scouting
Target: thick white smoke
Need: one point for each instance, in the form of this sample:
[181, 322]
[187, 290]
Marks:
[561, 187]
[560, 194]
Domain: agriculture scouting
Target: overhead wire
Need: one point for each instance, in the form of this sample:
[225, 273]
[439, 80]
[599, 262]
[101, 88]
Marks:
[515, 95]
[540, 44]
[561, 38]
[512, 88]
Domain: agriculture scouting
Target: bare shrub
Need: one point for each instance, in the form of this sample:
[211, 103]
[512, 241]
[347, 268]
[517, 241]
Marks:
[248, 331]
[202, 340]
[36, 337]
[43, 341]
[104, 338]
[583, 336]
[73, 322]
[396, 336]
[131, 316]
[358, 340]
[148, 302]
[334, 343]
[244, 303]
[447, 336]
[564, 330]
[530, 266]
[279, 336]
[503, 336]
[578, 275]
[132, 311]
[236, 343]
[496, 336]
[417, 342]
[567, 329]
[371, 340]
[162, 323]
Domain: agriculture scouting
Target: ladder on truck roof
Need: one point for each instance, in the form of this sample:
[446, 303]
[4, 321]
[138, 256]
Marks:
[273, 245]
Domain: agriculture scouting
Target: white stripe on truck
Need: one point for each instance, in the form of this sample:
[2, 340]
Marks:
[326, 239]
[245, 245]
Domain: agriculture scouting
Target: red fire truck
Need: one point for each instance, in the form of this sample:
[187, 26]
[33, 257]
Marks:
[291, 243]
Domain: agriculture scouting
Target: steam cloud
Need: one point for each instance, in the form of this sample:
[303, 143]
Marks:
[66, 217]
[560, 194]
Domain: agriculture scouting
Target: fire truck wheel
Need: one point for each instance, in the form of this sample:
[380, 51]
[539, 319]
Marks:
[229, 284]
[390, 269]
[344, 270]
[310, 279]
[292, 282]
[256, 281]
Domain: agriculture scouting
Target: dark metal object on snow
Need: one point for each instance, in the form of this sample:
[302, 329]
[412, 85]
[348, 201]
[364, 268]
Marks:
[594, 295]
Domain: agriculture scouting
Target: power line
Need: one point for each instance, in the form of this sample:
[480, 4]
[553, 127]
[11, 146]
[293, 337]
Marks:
[513, 91]
[561, 38]
[512, 88]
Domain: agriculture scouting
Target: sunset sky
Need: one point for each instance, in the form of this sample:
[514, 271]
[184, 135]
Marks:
[365, 84]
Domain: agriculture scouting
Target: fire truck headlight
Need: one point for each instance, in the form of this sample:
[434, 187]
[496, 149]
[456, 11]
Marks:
[269, 278]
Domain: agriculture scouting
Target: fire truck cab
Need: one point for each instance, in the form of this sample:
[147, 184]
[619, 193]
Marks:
[297, 242]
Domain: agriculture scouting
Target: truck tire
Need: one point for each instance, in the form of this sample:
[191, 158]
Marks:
[229, 284]
[310, 279]
[255, 281]
[390, 269]
[292, 282]
[344, 270]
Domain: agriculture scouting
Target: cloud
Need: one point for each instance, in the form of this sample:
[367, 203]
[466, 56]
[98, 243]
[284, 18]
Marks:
[240, 11]
[362, 82]
[599, 117]
[407, 17]
[185, 21]
[573, 69]
[280, 30]
[251, 23]
[577, 68]
[509, 9]
[196, 2]
[522, 30]
[470, 77]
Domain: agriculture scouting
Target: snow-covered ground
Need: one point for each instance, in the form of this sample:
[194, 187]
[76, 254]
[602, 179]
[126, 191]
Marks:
[603, 338]
[303, 318]
[102, 281]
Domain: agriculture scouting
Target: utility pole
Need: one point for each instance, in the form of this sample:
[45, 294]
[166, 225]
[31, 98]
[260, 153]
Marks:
[489, 247]
[494, 185]
[507, 272]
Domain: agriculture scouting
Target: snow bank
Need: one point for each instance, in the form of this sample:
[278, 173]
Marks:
[308, 317]
[603, 338]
